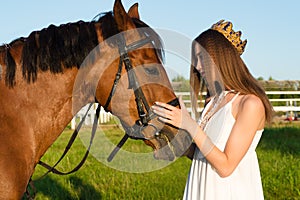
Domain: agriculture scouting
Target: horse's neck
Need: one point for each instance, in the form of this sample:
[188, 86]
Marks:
[48, 104]
[57, 105]
[45, 106]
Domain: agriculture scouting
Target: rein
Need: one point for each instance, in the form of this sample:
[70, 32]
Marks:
[71, 141]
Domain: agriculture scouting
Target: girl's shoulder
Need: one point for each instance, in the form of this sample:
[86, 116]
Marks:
[252, 106]
[247, 103]
[250, 101]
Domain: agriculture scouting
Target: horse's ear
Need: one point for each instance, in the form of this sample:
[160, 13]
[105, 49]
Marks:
[133, 11]
[123, 20]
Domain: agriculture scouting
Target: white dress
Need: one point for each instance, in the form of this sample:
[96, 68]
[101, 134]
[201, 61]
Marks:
[203, 181]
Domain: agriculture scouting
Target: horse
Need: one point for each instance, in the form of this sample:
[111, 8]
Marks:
[41, 77]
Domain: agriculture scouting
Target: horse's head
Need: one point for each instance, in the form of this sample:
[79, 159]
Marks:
[143, 82]
[134, 80]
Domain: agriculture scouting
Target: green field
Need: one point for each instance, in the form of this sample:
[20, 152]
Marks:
[278, 153]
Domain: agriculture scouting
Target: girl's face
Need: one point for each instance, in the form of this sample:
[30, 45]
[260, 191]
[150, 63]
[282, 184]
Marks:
[208, 70]
[198, 59]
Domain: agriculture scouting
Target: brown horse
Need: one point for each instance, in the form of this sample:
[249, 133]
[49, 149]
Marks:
[43, 83]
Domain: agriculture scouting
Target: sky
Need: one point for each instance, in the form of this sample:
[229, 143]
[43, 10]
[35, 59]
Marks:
[271, 27]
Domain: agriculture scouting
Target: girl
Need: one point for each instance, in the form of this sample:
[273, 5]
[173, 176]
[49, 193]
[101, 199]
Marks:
[225, 164]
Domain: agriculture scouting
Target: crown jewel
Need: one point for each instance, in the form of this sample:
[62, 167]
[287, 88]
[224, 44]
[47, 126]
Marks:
[234, 37]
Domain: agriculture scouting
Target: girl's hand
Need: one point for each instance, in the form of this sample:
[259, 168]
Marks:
[174, 116]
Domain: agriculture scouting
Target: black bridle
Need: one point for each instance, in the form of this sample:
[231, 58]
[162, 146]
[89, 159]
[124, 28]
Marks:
[145, 112]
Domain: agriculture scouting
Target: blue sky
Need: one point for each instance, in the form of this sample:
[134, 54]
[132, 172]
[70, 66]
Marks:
[271, 27]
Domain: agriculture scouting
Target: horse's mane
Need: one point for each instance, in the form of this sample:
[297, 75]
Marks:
[64, 46]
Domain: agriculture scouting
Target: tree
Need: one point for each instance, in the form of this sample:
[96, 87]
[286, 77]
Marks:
[180, 84]
[260, 78]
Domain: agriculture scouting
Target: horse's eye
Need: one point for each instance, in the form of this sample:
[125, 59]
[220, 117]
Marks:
[151, 70]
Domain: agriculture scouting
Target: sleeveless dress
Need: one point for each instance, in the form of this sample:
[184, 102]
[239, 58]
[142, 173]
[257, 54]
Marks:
[203, 181]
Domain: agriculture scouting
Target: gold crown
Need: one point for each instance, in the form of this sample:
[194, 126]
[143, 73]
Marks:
[234, 37]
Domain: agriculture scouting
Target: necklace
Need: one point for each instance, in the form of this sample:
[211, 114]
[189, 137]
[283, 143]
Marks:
[215, 104]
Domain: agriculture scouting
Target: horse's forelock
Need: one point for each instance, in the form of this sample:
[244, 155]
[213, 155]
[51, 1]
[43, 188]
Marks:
[156, 39]
[109, 28]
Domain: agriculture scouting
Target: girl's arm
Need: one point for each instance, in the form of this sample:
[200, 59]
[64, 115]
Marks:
[250, 117]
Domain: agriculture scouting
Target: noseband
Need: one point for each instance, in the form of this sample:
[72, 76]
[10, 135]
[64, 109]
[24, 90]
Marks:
[145, 112]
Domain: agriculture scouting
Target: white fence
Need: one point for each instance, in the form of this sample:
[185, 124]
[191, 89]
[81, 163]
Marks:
[104, 116]
[291, 108]
[292, 104]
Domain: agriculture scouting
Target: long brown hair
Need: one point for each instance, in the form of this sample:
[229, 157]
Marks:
[233, 70]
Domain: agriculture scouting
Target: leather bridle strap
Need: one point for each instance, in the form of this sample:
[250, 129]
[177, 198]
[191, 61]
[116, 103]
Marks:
[71, 141]
[114, 86]
[140, 99]
[124, 58]
[141, 102]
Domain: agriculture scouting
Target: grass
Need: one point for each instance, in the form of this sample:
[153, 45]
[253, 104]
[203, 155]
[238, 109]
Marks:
[278, 154]
[279, 158]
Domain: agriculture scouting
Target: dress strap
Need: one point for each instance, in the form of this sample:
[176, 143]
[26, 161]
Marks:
[235, 96]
